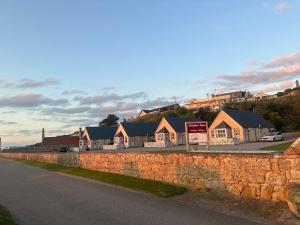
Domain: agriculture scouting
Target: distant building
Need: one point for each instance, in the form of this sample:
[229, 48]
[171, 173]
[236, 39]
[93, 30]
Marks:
[262, 96]
[158, 110]
[55, 143]
[215, 102]
[233, 127]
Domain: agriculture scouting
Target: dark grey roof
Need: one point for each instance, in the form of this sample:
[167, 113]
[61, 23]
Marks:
[136, 129]
[178, 123]
[97, 133]
[248, 119]
[223, 125]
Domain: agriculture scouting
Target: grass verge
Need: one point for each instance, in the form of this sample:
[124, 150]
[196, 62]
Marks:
[153, 187]
[278, 148]
[5, 217]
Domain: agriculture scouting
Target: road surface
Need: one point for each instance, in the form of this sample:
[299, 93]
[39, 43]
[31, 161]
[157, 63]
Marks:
[38, 197]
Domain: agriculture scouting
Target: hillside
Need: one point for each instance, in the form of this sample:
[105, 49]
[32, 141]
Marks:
[283, 112]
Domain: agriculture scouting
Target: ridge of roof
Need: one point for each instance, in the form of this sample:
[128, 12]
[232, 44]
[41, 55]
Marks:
[96, 133]
[139, 128]
[178, 123]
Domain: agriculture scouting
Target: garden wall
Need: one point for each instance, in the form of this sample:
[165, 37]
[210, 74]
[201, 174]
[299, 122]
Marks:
[263, 176]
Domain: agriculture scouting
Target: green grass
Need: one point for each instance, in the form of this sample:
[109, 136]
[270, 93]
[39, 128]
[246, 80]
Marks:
[278, 148]
[5, 217]
[153, 187]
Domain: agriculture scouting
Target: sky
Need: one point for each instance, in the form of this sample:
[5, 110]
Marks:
[66, 64]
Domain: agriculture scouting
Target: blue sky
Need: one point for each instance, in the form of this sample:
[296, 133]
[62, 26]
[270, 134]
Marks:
[65, 64]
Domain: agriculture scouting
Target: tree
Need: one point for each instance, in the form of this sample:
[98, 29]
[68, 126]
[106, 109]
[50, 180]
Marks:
[110, 121]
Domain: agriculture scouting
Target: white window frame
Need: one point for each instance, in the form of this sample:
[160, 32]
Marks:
[222, 131]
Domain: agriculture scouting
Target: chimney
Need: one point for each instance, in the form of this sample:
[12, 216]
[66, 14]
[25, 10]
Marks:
[297, 84]
[80, 133]
[43, 134]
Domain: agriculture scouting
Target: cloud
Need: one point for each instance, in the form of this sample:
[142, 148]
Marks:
[28, 83]
[282, 7]
[72, 92]
[71, 110]
[30, 100]
[106, 98]
[284, 61]
[280, 69]
[7, 123]
[9, 112]
[252, 62]
[276, 87]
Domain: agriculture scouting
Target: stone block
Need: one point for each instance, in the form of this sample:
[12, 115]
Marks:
[273, 178]
[250, 192]
[266, 192]
[293, 198]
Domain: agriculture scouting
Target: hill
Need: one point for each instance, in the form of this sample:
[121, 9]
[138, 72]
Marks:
[282, 112]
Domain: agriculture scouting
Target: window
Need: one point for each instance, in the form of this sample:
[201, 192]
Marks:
[236, 132]
[220, 133]
[172, 136]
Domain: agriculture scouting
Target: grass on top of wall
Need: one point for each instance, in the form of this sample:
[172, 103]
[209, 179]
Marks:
[149, 186]
[5, 217]
[278, 148]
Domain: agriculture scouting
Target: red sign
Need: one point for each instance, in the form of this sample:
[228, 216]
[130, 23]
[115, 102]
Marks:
[198, 127]
[197, 132]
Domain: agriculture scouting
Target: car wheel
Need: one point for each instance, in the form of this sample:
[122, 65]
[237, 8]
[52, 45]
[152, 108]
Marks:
[274, 139]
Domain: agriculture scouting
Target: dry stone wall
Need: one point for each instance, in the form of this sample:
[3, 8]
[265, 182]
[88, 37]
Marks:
[263, 176]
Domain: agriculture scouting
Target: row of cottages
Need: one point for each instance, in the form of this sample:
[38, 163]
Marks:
[234, 127]
[229, 127]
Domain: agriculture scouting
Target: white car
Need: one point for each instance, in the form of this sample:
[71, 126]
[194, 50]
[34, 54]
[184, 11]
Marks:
[273, 136]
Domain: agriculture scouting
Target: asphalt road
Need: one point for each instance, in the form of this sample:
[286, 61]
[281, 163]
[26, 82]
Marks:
[38, 197]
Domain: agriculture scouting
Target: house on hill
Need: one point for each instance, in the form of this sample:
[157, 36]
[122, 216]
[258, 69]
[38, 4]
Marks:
[171, 131]
[95, 137]
[132, 134]
[233, 127]
[158, 110]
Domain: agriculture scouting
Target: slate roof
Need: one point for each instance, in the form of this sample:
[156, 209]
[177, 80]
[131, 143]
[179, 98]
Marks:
[66, 140]
[178, 123]
[137, 129]
[98, 133]
[248, 119]
[223, 125]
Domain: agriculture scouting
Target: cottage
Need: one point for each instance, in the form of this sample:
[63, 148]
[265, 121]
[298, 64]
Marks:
[234, 127]
[171, 130]
[134, 134]
[95, 137]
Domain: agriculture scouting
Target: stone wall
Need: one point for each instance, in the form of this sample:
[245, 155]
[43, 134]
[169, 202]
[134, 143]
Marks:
[263, 176]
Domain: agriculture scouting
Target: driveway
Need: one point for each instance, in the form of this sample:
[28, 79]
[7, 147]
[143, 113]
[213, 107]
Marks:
[247, 147]
[38, 197]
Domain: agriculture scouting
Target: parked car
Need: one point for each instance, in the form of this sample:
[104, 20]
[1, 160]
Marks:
[273, 136]
[64, 149]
